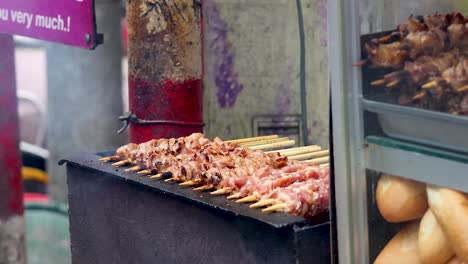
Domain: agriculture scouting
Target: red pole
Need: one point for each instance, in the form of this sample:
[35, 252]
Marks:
[165, 68]
[12, 238]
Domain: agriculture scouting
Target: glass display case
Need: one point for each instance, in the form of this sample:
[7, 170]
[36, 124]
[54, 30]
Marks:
[400, 155]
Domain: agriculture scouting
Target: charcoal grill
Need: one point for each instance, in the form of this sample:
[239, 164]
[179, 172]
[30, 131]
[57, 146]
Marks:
[123, 217]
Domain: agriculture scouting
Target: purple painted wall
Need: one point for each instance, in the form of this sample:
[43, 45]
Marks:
[227, 84]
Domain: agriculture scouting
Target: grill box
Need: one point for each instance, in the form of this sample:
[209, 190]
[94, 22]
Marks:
[121, 217]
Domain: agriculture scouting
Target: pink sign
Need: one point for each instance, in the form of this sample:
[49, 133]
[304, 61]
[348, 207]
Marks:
[70, 22]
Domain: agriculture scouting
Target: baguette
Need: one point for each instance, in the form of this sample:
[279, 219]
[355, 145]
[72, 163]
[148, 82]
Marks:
[456, 260]
[402, 248]
[400, 199]
[434, 247]
[451, 211]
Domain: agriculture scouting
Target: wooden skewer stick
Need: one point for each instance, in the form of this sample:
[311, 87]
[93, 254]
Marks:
[121, 163]
[162, 175]
[204, 188]
[431, 84]
[248, 199]
[263, 203]
[319, 160]
[325, 165]
[223, 191]
[157, 176]
[288, 143]
[188, 183]
[234, 196]
[263, 142]
[244, 140]
[419, 96]
[310, 155]
[170, 179]
[110, 158]
[299, 150]
[360, 63]
[462, 89]
[144, 172]
[135, 168]
[393, 84]
[274, 208]
[378, 82]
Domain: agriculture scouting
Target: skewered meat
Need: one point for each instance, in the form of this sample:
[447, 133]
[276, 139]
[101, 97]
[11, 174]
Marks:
[306, 199]
[427, 35]
[275, 178]
[218, 164]
[417, 73]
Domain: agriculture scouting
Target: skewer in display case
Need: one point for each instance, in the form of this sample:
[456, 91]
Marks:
[415, 80]
[209, 194]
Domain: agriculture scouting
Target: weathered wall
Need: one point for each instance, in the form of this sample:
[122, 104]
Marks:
[252, 57]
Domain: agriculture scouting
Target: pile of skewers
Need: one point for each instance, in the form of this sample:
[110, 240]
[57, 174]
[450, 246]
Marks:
[294, 180]
[429, 59]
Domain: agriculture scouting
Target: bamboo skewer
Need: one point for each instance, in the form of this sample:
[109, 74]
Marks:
[144, 172]
[360, 63]
[295, 151]
[161, 175]
[157, 176]
[274, 145]
[223, 191]
[310, 155]
[274, 208]
[135, 168]
[462, 89]
[169, 180]
[188, 183]
[263, 142]
[419, 96]
[262, 203]
[319, 160]
[393, 84]
[234, 196]
[110, 158]
[379, 82]
[248, 199]
[245, 140]
[430, 84]
[203, 188]
[325, 165]
[121, 163]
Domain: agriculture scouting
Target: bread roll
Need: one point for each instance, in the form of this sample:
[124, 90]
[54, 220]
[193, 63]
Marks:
[451, 210]
[400, 200]
[434, 247]
[456, 260]
[402, 248]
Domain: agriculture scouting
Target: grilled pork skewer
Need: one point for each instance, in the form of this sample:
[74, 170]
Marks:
[446, 93]
[418, 72]
[437, 34]
[267, 179]
[305, 199]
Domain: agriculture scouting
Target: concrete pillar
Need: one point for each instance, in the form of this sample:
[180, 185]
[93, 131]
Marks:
[84, 96]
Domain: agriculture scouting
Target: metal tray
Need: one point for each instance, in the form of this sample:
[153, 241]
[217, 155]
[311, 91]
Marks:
[427, 127]
[422, 126]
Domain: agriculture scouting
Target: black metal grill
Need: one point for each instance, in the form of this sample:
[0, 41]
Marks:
[113, 212]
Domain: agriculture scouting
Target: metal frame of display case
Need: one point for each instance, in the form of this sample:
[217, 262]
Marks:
[354, 153]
